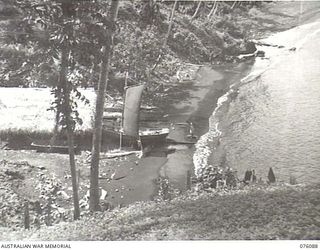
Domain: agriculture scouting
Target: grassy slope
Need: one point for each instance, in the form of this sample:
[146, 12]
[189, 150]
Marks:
[272, 212]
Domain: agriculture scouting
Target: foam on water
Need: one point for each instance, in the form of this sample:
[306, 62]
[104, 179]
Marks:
[203, 146]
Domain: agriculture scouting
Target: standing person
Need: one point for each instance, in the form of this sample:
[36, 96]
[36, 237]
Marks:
[191, 130]
[254, 177]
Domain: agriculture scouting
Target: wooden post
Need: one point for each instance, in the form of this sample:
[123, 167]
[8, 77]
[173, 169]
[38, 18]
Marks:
[49, 213]
[38, 213]
[125, 87]
[38, 207]
[188, 180]
[120, 147]
[141, 147]
[126, 80]
[271, 176]
[26, 215]
[3, 218]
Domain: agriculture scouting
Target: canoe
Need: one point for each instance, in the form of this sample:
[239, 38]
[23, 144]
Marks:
[147, 136]
[46, 148]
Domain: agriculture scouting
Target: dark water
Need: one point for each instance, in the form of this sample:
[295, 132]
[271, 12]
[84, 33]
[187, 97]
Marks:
[272, 118]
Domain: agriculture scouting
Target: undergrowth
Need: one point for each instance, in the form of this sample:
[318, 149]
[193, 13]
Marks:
[255, 212]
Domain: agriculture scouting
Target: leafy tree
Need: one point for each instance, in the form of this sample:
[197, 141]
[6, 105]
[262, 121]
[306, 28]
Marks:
[66, 27]
[59, 22]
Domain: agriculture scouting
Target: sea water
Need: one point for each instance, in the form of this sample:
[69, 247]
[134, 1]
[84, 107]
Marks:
[271, 118]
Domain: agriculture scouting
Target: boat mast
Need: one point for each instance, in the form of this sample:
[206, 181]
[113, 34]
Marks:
[125, 88]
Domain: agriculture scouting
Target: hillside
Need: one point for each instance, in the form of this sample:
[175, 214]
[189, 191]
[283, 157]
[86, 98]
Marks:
[259, 212]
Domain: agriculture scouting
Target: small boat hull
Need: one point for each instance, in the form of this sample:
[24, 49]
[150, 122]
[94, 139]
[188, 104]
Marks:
[156, 137]
[45, 148]
[147, 137]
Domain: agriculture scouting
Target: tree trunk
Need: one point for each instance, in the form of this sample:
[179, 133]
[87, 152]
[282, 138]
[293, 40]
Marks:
[177, 6]
[91, 78]
[197, 10]
[26, 215]
[215, 10]
[234, 4]
[167, 36]
[170, 23]
[212, 9]
[97, 130]
[70, 129]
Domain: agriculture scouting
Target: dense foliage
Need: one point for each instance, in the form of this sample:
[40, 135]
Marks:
[141, 32]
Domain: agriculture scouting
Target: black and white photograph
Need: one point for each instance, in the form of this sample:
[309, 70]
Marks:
[159, 121]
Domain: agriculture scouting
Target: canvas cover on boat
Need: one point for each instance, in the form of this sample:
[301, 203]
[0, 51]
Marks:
[131, 110]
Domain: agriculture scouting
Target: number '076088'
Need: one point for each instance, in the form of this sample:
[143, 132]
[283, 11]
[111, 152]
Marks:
[308, 245]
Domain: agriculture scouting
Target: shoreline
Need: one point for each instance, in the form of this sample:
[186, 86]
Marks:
[217, 155]
[203, 152]
[182, 161]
